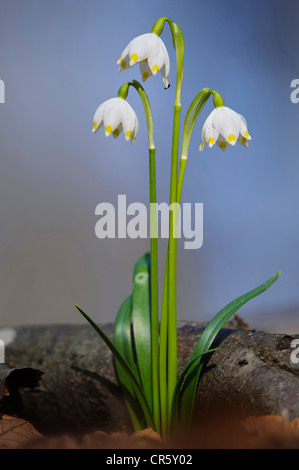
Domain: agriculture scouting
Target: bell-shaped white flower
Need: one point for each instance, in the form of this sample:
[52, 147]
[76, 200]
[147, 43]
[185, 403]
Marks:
[224, 127]
[116, 115]
[150, 51]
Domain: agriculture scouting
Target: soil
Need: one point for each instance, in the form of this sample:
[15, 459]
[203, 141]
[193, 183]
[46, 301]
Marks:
[229, 432]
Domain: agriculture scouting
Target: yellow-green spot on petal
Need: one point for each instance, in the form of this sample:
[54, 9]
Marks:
[128, 134]
[244, 141]
[222, 145]
[120, 59]
[108, 130]
[201, 146]
[95, 126]
[123, 65]
[211, 140]
[231, 138]
[145, 75]
[116, 132]
[134, 57]
[247, 134]
[155, 68]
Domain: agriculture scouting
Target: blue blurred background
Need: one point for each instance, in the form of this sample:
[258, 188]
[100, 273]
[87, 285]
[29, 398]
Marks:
[58, 62]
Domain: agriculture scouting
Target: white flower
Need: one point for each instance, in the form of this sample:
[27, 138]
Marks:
[116, 115]
[224, 126]
[150, 51]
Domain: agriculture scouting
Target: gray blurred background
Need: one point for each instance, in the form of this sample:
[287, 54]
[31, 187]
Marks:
[58, 62]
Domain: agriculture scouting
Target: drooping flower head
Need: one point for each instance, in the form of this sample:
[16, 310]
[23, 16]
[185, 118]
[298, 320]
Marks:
[150, 52]
[224, 127]
[116, 115]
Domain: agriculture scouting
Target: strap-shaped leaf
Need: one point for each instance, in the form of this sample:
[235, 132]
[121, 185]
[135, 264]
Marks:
[204, 343]
[131, 376]
[177, 391]
[142, 323]
[123, 342]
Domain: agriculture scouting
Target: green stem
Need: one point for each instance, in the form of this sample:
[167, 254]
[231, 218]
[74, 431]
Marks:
[191, 117]
[154, 290]
[163, 354]
[172, 265]
[154, 256]
[183, 163]
[172, 247]
[164, 324]
[168, 329]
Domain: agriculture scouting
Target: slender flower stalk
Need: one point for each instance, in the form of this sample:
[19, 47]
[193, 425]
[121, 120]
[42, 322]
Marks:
[172, 251]
[154, 255]
[192, 114]
[168, 329]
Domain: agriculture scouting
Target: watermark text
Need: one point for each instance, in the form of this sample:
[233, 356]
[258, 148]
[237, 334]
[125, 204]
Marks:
[114, 222]
[2, 91]
[2, 354]
[295, 93]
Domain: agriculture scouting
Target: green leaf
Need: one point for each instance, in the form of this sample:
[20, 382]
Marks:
[123, 342]
[131, 376]
[177, 391]
[204, 343]
[142, 323]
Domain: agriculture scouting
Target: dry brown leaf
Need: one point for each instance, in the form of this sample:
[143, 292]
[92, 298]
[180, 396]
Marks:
[15, 432]
[12, 379]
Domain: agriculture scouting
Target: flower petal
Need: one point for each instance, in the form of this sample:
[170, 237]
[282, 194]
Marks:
[243, 128]
[206, 127]
[98, 116]
[156, 60]
[243, 141]
[113, 115]
[227, 122]
[129, 119]
[165, 69]
[221, 142]
[145, 70]
[117, 131]
[142, 47]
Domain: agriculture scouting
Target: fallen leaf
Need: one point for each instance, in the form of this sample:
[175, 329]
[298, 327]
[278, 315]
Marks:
[12, 379]
[15, 432]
